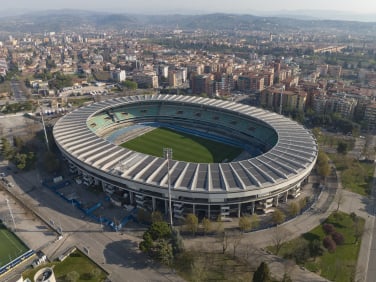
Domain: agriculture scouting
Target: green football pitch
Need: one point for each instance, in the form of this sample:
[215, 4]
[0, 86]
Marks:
[10, 246]
[185, 147]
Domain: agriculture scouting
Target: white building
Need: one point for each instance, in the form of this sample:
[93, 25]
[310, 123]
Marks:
[118, 75]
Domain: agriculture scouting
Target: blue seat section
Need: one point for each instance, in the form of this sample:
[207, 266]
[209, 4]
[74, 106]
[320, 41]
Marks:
[117, 133]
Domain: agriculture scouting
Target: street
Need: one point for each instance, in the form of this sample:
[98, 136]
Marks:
[18, 94]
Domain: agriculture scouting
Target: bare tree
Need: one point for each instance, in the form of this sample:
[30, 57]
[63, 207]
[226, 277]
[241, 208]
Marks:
[358, 230]
[340, 198]
[236, 239]
[279, 236]
[223, 240]
[199, 271]
[247, 250]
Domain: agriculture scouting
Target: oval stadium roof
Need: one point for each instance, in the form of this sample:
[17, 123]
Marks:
[295, 151]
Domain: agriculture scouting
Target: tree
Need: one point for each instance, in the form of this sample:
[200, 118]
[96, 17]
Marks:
[7, 150]
[223, 239]
[278, 217]
[323, 167]
[301, 252]
[156, 216]
[147, 244]
[132, 85]
[199, 271]
[340, 198]
[159, 230]
[18, 142]
[236, 240]
[279, 236]
[329, 244]
[303, 202]
[338, 238]
[255, 221]
[358, 230]
[191, 222]
[20, 160]
[315, 249]
[206, 225]
[294, 208]
[353, 216]
[245, 223]
[342, 147]
[163, 252]
[328, 228]
[262, 274]
[156, 242]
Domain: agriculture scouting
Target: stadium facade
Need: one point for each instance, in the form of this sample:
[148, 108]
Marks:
[280, 154]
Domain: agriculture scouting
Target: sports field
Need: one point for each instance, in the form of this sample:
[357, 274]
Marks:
[10, 246]
[185, 147]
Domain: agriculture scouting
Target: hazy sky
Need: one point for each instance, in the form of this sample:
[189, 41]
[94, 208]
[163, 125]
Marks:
[188, 6]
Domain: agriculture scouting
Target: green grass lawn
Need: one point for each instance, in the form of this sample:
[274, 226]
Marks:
[185, 147]
[78, 262]
[355, 176]
[337, 266]
[10, 246]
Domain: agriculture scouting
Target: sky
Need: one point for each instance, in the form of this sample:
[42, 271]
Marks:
[193, 6]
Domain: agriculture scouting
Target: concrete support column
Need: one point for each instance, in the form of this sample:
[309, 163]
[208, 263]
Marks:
[253, 207]
[166, 207]
[131, 195]
[239, 209]
[286, 196]
[276, 203]
[208, 211]
[194, 208]
[153, 203]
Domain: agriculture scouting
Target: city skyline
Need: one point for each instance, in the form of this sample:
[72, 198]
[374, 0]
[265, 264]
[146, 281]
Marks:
[195, 6]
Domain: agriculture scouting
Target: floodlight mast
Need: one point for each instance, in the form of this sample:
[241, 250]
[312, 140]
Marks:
[280, 100]
[167, 153]
[44, 127]
[11, 214]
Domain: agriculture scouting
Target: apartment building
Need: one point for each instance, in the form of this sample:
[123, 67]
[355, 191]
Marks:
[146, 79]
[118, 75]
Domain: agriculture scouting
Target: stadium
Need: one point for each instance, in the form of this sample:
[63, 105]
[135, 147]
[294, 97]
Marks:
[277, 154]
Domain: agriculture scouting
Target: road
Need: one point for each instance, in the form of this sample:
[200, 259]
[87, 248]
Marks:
[18, 94]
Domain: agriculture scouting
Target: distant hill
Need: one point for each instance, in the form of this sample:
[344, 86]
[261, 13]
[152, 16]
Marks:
[64, 20]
